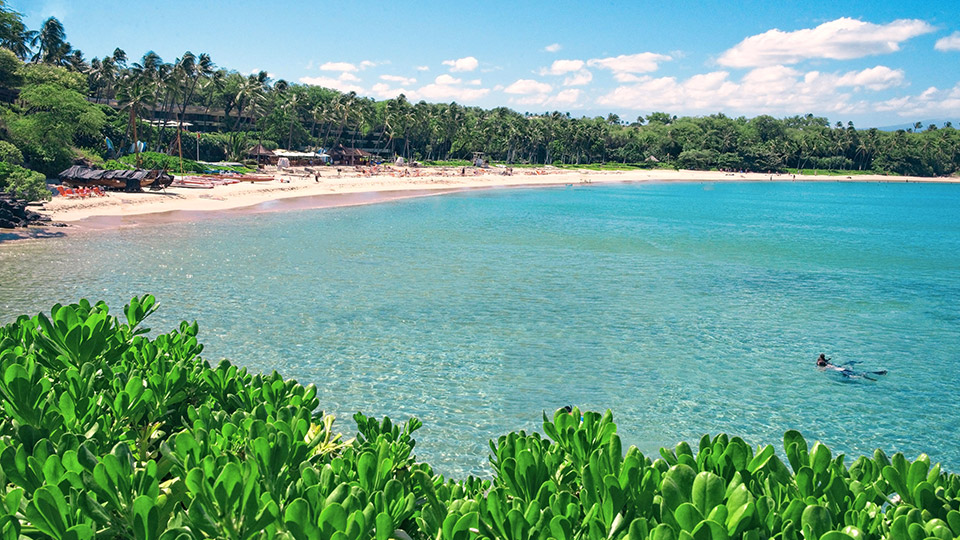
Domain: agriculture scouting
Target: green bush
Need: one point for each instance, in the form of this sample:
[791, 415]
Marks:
[89, 155]
[23, 183]
[10, 153]
[156, 160]
[109, 433]
[114, 165]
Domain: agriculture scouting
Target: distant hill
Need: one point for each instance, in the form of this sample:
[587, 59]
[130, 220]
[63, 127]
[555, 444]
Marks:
[909, 125]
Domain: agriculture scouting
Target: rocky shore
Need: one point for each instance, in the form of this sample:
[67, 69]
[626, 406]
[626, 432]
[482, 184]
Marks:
[14, 214]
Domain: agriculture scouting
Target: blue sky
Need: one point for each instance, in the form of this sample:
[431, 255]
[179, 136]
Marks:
[876, 63]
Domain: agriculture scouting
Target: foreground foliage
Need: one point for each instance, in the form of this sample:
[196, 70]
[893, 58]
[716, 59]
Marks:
[108, 433]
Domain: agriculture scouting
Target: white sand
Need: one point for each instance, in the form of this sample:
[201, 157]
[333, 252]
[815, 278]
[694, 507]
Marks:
[294, 183]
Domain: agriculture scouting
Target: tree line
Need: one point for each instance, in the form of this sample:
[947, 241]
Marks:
[63, 107]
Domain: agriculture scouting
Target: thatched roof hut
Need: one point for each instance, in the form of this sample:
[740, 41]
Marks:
[342, 155]
[258, 151]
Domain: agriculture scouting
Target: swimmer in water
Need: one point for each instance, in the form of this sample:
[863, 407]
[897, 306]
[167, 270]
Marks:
[824, 362]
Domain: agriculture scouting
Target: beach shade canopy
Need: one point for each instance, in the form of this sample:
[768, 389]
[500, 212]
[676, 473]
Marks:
[653, 159]
[259, 150]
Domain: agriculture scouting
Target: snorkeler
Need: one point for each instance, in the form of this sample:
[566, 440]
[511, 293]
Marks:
[824, 362]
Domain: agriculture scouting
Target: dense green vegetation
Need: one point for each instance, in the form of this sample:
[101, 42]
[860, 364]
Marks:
[108, 433]
[68, 107]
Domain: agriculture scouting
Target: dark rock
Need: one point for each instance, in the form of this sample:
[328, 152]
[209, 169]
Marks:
[14, 213]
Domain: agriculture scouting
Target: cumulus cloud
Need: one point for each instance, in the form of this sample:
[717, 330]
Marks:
[330, 82]
[443, 88]
[423, 68]
[626, 64]
[564, 98]
[399, 79]
[949, 43]
[930, 102]
[875, 78]
[562, 67]
[338, 66]
[840, 39]
[447, 92]
[468, 63]
[553, 47]
[769, 89]
[527, 86]
[579, 78]
[447, 79]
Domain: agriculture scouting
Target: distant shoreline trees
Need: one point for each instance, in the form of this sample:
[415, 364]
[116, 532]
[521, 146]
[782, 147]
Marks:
[61, 107]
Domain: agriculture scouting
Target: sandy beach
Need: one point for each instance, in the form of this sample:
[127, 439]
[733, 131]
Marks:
[366, 186]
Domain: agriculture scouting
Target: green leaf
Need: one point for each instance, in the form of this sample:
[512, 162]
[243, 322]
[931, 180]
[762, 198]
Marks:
[146, 519]
[710, 530]
[79, 532]
[663, 532]
[815, 521]
[384, 526]
[707, 492]
[836, 535]
[688, 516]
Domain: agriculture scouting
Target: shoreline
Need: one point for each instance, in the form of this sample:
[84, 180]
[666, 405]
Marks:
[356, 188]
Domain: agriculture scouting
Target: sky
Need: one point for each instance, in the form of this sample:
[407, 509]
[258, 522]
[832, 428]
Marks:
[876, 63]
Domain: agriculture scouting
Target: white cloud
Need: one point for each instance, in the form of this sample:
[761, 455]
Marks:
[338, 66]
[423, 68]
[562, 67]
[403, 81]
[462, 64]
[875, 78]
[527, 86]
[840, 39]
[930, 102]
[769, 89]
[630, 63]
[447, 79]
[330, 82]
[579, 78]
[564, 98]
[474, 82]
[385, 91]
[446, 92]
[346, 66]
[553, 47]
[348, 77]
[949, 43]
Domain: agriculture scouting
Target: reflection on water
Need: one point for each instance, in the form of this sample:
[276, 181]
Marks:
[685, 310]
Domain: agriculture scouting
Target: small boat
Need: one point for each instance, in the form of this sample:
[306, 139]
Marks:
[195, 182]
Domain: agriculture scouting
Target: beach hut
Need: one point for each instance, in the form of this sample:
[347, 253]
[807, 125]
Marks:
[343, 155]
[258, 152]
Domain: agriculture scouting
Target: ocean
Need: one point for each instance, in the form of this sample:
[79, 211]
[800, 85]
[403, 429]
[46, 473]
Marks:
[685, 308]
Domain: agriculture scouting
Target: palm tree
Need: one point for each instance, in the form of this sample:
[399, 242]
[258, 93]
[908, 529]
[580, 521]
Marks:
[13, 34]
[133, 98]
[49, 41]
[201, 68]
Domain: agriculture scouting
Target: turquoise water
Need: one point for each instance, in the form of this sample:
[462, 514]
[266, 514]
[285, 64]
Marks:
[684, 308]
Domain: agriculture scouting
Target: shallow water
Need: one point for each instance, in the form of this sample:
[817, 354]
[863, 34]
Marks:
[684, 308]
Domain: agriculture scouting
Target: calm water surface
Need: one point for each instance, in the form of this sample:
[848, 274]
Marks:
[684, 308]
